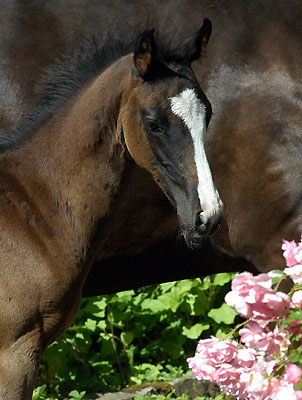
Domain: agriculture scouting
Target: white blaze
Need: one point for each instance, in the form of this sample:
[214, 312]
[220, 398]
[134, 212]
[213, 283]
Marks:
[189, 108]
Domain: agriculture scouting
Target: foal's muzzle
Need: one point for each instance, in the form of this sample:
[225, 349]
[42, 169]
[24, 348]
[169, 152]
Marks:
[203, 227]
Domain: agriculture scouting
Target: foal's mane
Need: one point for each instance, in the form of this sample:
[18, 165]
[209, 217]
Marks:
[71, 73]
[61, 81]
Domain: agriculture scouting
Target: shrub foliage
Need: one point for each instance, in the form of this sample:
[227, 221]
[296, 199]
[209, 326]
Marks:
[135, 336]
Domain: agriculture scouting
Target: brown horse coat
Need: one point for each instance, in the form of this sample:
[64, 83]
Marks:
[253, 79]
[64, 178]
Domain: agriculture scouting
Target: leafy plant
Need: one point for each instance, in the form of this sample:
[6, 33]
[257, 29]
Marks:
[134, 336]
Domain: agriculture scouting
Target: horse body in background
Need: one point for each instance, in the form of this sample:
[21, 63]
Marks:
[253, 79]
[62, 172]
[254, 141]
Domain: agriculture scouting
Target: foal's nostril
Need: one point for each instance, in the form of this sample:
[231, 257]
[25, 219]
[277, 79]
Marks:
[202, 228]
[203, 219]
[201, 222]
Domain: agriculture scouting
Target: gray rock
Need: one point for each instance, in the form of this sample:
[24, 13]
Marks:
[188, 383]
[148, 391]
[111, 396]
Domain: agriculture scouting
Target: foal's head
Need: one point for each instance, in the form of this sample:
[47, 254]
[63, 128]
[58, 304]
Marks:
[164, 117]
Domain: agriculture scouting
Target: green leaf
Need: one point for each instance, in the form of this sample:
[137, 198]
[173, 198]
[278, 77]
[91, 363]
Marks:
[206, 283]
[276, 276]
[225, 314]
[75, 395]
[127, 337]
[153, 305]
[126, 296]
[102, 325]
[90, 324]
[223, 332]
[172, 300]
[295, 315]
[100, 308]
[106, 347]
[101, 304]
[298, 386]
[168, 301]
[130, 353]
[185, 286]
[139, 397]
[195, 331]
[173, 347]
[165, 287]
[222, 279]
[38, 392]
[198, 303]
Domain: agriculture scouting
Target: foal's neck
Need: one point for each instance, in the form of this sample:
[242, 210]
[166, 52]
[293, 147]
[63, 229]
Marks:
[72, 166]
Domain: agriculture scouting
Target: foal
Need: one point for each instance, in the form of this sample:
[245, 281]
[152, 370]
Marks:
[60, 180]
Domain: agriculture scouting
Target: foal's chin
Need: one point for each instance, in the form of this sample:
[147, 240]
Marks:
[193, 238]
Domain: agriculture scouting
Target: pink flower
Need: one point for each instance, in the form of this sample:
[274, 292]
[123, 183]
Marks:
[247, 290]
[251, 334]
[299, 394]
[218, 351]
[293, 256]
[230, 380]
[292, 374]
[203, 369]
[271, 305]
[210, 353]
[295, 273]
[205, 344]
[296, 300]
[284, 392]
[245, 358]
[266, 340]
[223, 351]
[258, 384]
[252, 297]
[289, 252]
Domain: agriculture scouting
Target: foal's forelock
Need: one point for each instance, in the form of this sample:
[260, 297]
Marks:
[192, 112]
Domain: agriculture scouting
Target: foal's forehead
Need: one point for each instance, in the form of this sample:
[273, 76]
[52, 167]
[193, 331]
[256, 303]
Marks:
[175, 87]
[174, 94]
[186, 103]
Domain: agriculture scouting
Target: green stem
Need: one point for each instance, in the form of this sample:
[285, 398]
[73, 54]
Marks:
[75, 348]
[116, 352]
[229, 335]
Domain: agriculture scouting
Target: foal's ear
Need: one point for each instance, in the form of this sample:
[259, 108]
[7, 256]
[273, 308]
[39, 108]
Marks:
[144, 53]
[194, 47]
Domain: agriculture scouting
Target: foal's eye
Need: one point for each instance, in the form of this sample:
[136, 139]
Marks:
[152, 125]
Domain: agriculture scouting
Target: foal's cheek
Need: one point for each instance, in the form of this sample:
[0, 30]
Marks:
[137, 143]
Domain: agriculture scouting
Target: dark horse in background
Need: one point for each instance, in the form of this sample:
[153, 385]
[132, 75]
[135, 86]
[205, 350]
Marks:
[252, 77]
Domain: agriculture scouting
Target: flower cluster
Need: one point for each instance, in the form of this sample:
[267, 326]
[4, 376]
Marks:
[293, 256]
[253, 297]
[259, 367]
